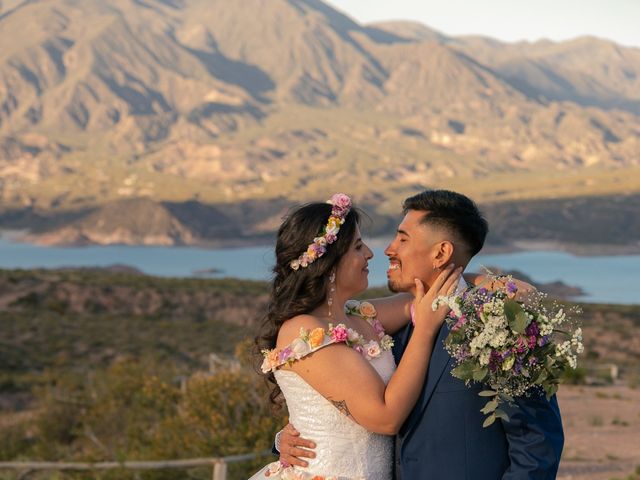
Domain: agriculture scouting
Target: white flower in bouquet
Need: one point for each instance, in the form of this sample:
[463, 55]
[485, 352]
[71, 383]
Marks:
[511, 347]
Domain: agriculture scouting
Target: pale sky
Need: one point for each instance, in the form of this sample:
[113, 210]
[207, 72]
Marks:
[509, 20]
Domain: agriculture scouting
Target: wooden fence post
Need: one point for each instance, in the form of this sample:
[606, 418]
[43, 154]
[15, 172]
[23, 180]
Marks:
[220, 470]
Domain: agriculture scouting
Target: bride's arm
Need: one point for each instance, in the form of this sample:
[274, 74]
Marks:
[347, 380]
[394, 312]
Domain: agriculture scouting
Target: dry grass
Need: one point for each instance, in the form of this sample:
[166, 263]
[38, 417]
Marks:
[602, 432]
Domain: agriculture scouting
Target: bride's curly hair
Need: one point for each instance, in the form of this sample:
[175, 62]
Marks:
[295, 292]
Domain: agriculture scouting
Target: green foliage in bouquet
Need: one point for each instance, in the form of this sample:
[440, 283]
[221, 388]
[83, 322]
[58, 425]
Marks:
[513, 347]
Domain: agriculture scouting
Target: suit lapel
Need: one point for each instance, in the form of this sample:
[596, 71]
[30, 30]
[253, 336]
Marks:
[439, 360]
[437, 365]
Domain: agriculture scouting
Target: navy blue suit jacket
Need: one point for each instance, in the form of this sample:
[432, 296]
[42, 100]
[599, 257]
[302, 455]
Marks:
[443, 437]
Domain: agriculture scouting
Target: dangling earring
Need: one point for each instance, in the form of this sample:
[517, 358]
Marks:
[332, 289]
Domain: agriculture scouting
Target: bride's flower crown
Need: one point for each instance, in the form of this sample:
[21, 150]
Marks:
[341, 207]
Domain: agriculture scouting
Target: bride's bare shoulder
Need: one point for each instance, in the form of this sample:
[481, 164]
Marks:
[290, 329]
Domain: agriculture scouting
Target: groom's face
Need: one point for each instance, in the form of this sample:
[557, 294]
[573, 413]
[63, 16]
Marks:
[412, 253]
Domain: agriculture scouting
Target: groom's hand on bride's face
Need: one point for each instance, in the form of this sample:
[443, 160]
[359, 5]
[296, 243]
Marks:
[292, 447]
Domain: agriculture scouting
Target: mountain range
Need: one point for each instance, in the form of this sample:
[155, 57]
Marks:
[231, 107]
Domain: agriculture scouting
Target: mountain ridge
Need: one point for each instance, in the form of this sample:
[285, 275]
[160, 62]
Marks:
[581, 225]
[217, 102]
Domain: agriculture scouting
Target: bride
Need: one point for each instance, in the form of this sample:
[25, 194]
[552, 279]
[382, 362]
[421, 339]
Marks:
[330, 357]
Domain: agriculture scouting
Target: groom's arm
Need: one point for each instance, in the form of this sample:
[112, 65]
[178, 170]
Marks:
[535, 437]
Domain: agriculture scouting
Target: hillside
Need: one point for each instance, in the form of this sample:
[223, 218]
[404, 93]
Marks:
[206, 102]
[69, 318]
[589, 71]
[103, 365]
[560, 224]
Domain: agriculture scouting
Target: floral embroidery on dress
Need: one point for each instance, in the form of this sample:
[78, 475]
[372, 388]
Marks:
[367, 311]
[310, 341]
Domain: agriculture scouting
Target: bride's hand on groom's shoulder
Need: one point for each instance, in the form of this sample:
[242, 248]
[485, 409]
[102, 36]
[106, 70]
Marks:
[292, 447]
[445, 284]
[524, 289]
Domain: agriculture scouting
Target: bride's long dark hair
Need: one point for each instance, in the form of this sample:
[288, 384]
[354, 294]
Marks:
[295, 292]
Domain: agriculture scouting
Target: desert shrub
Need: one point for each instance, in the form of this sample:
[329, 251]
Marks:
[575, 376]
[14, 441]
[131, 412]
[222, 414]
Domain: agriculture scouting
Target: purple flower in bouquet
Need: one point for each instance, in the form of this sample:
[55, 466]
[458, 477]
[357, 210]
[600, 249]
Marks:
[495, 359]
[461, 354]
[517, 367]
[479, 299]
[533, 329]
[459, 323]
[507, 345]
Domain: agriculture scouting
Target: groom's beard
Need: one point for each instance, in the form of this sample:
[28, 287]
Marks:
[397, 287]
[393, 287]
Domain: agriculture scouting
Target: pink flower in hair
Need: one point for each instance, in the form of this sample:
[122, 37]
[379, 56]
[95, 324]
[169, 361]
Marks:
[341, 203]
[331, 237]
[341, 206]
[318, 250]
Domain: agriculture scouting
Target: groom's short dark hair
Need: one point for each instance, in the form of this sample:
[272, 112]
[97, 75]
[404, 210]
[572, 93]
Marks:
[453, 211]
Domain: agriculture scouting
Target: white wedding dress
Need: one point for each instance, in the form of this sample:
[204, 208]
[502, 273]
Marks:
[344, 450]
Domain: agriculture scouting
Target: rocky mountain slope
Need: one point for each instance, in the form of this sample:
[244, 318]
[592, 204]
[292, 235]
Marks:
[237, 105]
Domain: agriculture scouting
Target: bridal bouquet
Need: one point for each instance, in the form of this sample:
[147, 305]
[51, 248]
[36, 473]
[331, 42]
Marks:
[510, 346]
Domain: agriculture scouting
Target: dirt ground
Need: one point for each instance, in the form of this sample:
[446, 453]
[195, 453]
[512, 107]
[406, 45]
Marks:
[602, 432]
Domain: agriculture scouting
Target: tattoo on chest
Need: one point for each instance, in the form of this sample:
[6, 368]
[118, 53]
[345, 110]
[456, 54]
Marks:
[341, 405]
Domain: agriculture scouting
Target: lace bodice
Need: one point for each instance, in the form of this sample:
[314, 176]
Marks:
[344, 448]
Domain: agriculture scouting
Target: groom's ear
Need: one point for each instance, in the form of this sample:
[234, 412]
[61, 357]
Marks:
[443, 253]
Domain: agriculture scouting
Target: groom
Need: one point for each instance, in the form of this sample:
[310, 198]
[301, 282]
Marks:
[443, 437]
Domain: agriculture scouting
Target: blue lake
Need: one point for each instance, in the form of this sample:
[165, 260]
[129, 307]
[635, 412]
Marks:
[608, 279]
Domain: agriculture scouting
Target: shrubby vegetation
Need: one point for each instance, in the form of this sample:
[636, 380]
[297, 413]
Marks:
[135, 411]
[99, 366]
[634, 476]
